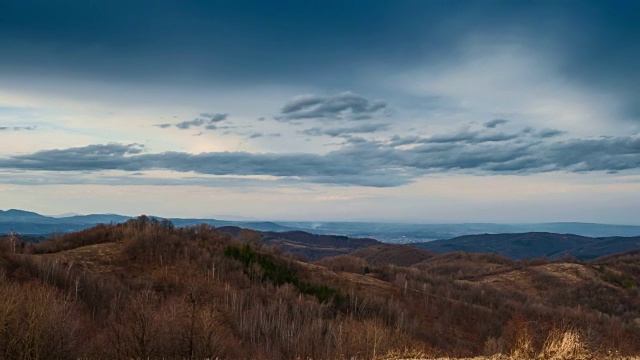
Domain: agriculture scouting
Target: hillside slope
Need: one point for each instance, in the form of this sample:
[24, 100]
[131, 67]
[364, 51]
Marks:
[308, 246]
[146, 289]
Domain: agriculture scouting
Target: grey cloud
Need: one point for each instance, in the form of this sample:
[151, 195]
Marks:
[187, 124]
[397, 140]
[471, 137]
[208, 120]
[17, 128]
[314, 131]
[345, 105]
[361, 162]
[255, 135]
[135, 178]
[90, 158]
[495, 122]
[333, 168]
[356, 140]
[217, 117]
[605, 153]
[548, 133]
[335, 132]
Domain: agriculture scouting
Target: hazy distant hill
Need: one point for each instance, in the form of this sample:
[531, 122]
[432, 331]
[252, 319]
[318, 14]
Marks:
[400, 233]
[412, 233]
[311, 246]
[254, 225]
[14, 215]
[318, 240]
[534, 244]
[26, 222]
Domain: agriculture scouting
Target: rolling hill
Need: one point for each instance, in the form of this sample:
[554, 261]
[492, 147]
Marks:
[230, 293]
[144, 289]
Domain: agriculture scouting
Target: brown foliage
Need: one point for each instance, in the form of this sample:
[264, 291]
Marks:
[37, 321]
[172, 293]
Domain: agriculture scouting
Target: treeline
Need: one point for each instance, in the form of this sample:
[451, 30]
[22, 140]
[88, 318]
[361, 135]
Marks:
[196, 292]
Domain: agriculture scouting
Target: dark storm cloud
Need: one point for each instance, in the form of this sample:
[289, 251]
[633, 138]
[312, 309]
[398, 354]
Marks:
[201, 42]
[343, 131]
[365, 163]
[319, 43]
[346, 105]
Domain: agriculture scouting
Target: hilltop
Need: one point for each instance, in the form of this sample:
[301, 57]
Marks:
[148, 289]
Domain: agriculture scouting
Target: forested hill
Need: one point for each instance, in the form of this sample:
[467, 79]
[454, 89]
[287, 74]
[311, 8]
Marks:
[147, 289]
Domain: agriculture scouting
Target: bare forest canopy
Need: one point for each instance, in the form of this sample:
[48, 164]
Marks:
[148, 289]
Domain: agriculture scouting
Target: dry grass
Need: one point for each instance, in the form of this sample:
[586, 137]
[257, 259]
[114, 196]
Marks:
[568, 274]
[99, 258]
[560, 345]
[503, 357]
[346, 280]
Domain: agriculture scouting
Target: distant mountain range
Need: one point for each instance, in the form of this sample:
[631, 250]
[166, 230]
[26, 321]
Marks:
[26, 222]
[534, 244]
[400, 233]
[315, 240]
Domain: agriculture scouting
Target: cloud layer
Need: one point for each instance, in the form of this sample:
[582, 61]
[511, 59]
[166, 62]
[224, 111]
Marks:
[390, 162]
[341, 93]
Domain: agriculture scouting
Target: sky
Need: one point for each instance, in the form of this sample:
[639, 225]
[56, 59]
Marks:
[401, 111]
